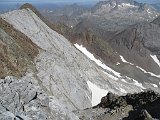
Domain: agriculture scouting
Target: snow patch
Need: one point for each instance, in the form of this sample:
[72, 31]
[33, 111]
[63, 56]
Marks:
[148, 11]
[154, 57]
[97, 93]
[122, 90]
[154, 85]
[128, 5]
[98, 62]
[138, 84]
[118, 63]
[111, 76]
[123, 80]
[135, 82]
[152, 74]
[125, 61]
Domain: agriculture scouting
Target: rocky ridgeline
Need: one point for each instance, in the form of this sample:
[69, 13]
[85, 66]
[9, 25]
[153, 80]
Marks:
[113, 101]
[144, 104]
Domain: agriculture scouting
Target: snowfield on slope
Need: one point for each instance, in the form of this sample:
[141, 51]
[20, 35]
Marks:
[97, 93]
[152, 74]
[154, 57]
[98, 62]
[123, 60]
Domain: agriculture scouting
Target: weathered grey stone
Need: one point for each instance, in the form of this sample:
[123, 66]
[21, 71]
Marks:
[23, 99]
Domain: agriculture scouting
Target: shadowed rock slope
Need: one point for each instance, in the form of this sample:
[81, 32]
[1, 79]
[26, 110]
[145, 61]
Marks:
[137, 43]
[96, 45]
[137, 106]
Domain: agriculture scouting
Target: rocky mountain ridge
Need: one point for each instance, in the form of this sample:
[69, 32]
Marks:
[138, 106]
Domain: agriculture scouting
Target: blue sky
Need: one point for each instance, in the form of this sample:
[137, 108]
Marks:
[148, 1]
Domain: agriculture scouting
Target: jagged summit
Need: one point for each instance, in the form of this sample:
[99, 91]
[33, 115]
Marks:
[31, 7]
[28, 5]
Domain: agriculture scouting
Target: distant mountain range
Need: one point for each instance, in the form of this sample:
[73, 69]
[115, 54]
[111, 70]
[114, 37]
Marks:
[112, 15]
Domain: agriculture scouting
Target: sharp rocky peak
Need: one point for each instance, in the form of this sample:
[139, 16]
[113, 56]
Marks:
[119, 2]
[122, 3]
[31, 7]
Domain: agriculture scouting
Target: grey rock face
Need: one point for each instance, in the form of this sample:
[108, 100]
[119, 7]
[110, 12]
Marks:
[22, 100]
